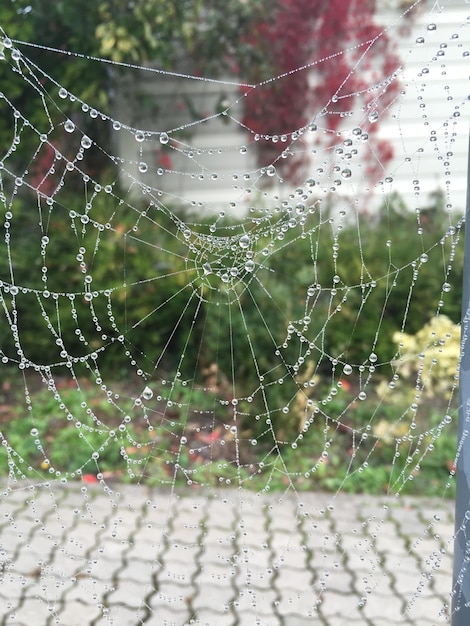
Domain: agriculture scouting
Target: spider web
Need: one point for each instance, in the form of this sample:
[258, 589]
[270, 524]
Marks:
[188, 331]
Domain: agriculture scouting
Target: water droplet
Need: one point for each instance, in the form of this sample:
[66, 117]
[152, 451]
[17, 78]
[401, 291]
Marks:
[139, 136]
[446, 287]
[143, 167]
[164, 139]
[424, 258]
[347, 369]
[420, 41]
[373, 357]
[249, 266]
[271, 170]
[373, 117]
[244, 241]
[69, 126]
[34, 432]
[147, 393]
[86, 142]
[243, 150]
[362, 395]
[346, 173]
[432, 27]
[63, 93]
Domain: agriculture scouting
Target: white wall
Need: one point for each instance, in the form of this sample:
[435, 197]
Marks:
[154, 102]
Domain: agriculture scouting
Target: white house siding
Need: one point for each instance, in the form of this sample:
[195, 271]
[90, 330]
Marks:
[438, 71]
[205, 155]
[435, 79]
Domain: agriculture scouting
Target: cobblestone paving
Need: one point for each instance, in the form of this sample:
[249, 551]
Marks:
[78, 555]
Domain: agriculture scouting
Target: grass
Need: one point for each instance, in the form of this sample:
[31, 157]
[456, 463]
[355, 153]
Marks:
[89, 433]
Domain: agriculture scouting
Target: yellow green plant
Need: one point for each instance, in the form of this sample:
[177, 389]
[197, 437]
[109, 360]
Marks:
[431, 355]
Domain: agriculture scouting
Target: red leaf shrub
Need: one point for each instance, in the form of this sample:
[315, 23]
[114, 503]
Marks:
[330, 57]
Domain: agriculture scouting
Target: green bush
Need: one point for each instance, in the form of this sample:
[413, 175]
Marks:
[66, 431]
[149, 307]
[137, 278]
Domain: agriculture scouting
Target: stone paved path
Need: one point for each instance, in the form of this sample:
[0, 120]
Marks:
[79, 555]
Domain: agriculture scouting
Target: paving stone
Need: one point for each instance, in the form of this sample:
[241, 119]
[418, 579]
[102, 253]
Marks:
[216, 575]
[210, 618]
[74, 613]
[290, 578]
[138, 571]
[135, 544]
[13, 586]
[426, 608]
[295, 620]
[259, 558]
[143, 550]
[253, 619]
[129, 593]
[86, 590]
[172, 596]
[378, 605]
[259, 602]
[217, 554]
[256, 576]
[177, 572]
[103, 569]
[187, 533]
[340, 581]
[38, 611]
[335, 607]
[167, 617]
[119, 616]
[292, 603]
[214, 598]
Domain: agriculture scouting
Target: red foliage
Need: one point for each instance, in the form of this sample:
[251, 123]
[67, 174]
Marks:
[330, 57]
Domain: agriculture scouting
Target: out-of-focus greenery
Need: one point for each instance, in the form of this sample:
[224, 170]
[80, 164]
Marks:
[147, 306]
[87, 433]
[137, 282]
